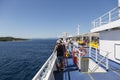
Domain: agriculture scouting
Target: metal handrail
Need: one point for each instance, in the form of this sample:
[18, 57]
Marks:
[103, 60]
[42, 73]
[100, 62]
[106, 18]
[78, 56]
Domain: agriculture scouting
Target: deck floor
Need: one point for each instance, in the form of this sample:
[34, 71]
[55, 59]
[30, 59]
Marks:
[71, 72]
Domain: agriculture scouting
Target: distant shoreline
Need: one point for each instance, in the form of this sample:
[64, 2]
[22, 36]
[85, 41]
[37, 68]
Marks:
[12, 39]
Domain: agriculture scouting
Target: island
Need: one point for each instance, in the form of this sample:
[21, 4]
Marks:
[11, 39]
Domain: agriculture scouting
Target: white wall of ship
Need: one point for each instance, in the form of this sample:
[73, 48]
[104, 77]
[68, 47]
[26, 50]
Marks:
[110, 42]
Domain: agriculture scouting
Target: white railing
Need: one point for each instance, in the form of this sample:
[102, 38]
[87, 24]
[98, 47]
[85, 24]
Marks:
[46, 70]
[78, 56]
[108, 17]
[99, 59]
[78, 53]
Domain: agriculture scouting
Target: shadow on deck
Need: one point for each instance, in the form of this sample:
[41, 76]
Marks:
[65, 74]
[71, 72]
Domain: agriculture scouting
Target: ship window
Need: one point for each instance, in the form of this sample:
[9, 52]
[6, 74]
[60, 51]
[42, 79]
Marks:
[117, 51]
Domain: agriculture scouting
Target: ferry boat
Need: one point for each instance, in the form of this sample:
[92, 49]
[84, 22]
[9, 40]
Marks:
[102, 63]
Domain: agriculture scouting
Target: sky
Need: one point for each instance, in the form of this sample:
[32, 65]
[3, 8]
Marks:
[49, 18]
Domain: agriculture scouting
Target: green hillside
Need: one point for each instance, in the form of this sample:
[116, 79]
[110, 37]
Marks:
[11, 39]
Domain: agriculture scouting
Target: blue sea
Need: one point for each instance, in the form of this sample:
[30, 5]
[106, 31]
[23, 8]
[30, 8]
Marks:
[21, 60]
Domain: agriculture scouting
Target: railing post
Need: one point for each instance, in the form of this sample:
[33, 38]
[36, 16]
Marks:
[90, 51]
[109, 17]
[93, 24]
[107, 67]
[100, 21]
[79, 60]
[90, 45]
[96, 55]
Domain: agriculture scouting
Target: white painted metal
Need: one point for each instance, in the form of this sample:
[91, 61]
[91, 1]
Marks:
[108, 17]
[107, 65]
[93, 67]
[119, 9]
[93, 56]
[117, 51]
[104, 59]
[115, 24]
[46, 71]
[109, 33]
[75, 44]
[78, 56]
[78, 29]
[79, 60]
[108, 41]
[96, 56]
[90, 46]
[118, 3]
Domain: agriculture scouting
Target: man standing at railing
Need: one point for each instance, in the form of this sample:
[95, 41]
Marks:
[60, 54]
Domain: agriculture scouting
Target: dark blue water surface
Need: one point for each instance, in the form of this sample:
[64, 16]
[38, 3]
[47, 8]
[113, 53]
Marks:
[22, 60]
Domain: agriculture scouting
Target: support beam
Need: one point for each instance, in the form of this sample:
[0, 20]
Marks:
[89, 45]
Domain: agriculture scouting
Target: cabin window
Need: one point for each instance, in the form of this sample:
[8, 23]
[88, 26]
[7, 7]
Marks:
[117, 51]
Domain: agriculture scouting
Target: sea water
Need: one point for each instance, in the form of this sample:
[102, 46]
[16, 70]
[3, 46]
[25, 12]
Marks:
[21, 60]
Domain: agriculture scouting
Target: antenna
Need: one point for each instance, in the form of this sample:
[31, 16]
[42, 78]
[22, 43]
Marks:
[78, 29]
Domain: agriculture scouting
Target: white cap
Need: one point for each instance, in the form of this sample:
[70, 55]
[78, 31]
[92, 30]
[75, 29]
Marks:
[58, 41]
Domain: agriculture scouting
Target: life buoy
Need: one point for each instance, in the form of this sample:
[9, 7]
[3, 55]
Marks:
[76, 52]
[83, 50]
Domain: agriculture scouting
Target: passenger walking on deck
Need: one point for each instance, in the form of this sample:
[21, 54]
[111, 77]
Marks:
[60, 55]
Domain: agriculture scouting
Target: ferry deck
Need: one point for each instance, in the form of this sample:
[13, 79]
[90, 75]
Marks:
[71, 72]
[103, 64]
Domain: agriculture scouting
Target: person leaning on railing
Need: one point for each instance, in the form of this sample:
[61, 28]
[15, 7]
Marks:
[59, 48]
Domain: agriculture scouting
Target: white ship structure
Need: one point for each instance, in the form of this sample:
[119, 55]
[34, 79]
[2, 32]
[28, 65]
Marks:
[99, 63]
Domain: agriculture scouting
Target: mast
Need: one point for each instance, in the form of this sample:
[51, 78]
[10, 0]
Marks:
[78, 29]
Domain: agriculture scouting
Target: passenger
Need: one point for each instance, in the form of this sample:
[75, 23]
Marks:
[70, 43]
[64, 50]
[60, 55]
